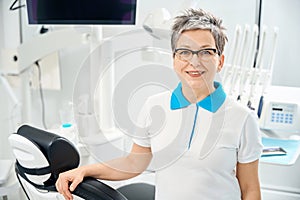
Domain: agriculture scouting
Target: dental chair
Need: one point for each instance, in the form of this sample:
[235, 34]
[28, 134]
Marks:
[41, 156]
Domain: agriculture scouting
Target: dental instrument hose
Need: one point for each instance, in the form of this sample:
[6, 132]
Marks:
[41, 93]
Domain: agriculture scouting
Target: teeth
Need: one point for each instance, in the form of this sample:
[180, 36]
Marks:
[195, 72]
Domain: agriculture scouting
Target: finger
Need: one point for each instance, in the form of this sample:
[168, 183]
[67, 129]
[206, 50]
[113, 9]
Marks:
[67, 197]
[57, 185]
[62, 185]
[67, 194]
[63, 193]
[74, 184]
[65, 188]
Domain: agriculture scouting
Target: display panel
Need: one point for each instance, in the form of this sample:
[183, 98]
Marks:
[81, 11]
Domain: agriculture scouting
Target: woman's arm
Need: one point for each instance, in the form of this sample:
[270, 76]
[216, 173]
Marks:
[247, 174]
[118, 169]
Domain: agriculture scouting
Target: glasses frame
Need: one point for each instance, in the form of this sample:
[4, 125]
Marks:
[215, 50]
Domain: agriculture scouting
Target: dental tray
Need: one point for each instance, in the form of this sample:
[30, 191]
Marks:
[273, 151]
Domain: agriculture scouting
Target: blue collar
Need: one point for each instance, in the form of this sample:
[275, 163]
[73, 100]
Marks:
[211, 103]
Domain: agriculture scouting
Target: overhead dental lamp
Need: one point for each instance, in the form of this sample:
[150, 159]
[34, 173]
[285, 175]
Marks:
[158, 22]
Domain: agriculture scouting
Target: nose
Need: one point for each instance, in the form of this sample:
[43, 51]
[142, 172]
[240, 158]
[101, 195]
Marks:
[195, 62]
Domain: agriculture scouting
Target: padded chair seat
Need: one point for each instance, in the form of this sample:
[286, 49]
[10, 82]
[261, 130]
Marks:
[138, 191]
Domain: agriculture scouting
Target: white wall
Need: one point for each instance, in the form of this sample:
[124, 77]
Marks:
[1, 25]
[285, 14]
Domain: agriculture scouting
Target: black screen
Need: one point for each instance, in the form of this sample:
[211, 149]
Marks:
[81, 11]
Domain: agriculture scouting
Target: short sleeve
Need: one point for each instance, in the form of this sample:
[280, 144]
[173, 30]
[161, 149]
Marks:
[250, 148]
[141, 132]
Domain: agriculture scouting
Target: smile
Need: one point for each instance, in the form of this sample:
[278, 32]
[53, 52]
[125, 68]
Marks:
[195, 73]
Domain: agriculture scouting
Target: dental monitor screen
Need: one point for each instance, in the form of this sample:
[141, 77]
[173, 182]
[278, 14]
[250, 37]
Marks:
[81, 12]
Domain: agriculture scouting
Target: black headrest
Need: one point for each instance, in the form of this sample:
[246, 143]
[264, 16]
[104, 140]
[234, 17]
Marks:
[60, 153]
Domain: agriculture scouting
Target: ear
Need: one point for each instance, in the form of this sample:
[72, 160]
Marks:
[221, 63]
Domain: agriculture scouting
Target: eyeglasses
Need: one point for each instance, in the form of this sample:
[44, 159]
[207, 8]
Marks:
[203, 54]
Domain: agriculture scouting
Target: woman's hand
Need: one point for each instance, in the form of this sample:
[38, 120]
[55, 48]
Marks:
[68, 181]
[118, 169]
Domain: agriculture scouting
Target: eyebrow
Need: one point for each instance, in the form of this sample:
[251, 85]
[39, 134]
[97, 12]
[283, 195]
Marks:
[201, 47]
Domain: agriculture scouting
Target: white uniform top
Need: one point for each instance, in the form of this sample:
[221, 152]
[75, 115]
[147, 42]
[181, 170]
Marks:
[196, 146]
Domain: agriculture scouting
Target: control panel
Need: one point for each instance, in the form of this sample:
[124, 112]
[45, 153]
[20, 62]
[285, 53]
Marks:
[280, 116]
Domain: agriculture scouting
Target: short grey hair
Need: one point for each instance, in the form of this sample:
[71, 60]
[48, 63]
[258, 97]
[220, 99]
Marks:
[193, 19]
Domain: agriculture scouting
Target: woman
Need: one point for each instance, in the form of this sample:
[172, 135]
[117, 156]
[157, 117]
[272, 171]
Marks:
[208, 145]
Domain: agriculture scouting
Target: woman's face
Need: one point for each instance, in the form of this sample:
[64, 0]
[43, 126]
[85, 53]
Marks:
[197, 72]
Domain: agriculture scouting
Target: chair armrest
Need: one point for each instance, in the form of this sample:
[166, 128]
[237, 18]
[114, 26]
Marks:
[93, 189]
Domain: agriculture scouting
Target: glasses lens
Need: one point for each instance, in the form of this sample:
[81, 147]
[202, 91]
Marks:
[184, 54]
[206, 54]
